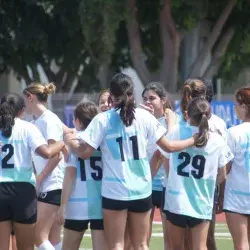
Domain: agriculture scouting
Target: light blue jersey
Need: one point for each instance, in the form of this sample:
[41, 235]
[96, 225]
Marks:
[15, 158]
[85, 202]
[159, 179]
[192, 174]
[126, 170]
[237, 190]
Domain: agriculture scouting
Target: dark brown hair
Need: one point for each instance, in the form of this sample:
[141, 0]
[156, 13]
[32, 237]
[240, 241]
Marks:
[121, 86]
[159, 89]
[242, 96]
[199, 111]
[85, 112]
[11, 105]
[192, 88]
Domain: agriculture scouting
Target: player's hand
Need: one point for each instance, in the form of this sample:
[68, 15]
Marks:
[219, 207]
[38, 184]
[149, 107]
[171, 118]
[60, 217]
[69, 137]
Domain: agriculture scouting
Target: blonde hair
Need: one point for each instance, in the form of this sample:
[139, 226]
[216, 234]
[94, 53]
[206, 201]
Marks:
[41, 91]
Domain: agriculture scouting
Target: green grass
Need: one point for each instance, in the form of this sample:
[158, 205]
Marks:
[223, 238]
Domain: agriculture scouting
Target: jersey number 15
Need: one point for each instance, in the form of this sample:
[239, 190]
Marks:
[97, 175]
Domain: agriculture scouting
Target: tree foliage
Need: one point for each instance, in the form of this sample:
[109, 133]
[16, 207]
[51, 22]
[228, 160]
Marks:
[88, 40]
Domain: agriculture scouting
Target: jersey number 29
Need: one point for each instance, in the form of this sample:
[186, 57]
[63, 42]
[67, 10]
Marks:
[197, 162]
[97, 175]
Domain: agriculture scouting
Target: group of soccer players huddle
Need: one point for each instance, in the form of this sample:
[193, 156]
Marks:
[118, 164]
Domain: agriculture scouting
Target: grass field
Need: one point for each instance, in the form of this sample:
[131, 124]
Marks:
[223, 238]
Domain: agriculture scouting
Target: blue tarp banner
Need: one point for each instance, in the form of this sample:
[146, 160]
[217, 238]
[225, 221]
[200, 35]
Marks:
[224, 109]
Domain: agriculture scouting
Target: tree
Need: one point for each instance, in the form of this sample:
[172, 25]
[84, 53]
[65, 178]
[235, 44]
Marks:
[85, 41]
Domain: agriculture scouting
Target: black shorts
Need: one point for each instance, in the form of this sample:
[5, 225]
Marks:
[183, 221]
[136, 206]
[52, 197]
[156, 198]
[229, 211]
[82, 225]
[18, 202]
[163, 198]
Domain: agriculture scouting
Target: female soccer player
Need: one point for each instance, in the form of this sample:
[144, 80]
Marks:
[81, 194]
[104, 101]
[122, 134]
[155, 98]
[49, 176]
[237, 192]
[18, 201]
[199, 87]
[192, 177]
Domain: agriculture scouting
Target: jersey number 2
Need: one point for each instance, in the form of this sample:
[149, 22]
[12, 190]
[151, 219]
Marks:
[10, 149]
[198, 163]
[97, 176]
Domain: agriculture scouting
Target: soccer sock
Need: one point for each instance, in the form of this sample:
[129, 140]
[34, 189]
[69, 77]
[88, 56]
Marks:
[58, 246]
[46, 245]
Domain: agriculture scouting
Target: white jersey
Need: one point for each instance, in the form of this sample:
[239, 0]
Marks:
[85, 202]
[159, 179]
[51, 127]
[192, 174]
[126, 170]
[237, 190]
[16, 161]
[217, 125]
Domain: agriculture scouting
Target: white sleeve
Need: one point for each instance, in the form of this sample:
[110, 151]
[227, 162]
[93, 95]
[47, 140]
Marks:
[94, 133]
[231, 141]
[225, 156]
[35, 138]
[72, 162]
[155, 129]
[224, 132]
[53, 130]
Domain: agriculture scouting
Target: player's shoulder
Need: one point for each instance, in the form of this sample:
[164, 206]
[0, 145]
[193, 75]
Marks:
[24, 125]
[238, 130]
[216, 120]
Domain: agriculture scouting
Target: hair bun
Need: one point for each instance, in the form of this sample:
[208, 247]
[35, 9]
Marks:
[49, 89]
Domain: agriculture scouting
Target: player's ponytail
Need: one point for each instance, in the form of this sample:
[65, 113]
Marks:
[192, 88]
[121, 87]
[199, 111]
[11, 105]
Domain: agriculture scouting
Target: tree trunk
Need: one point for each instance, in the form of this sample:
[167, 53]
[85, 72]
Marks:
[102, 75]
[219, 52]
[137, 56]
[171, 40]
[201, 59]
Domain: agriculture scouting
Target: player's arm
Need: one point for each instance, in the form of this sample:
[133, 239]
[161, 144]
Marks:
[173, 146]
[166, 165]
[48, 151]
[68, 181]
[219, 208]
[221, 176]
[78, 147]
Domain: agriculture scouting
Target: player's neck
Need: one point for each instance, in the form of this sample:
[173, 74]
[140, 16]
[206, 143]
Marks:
[158, 114]
[40, 108]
